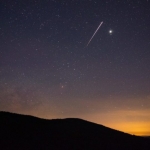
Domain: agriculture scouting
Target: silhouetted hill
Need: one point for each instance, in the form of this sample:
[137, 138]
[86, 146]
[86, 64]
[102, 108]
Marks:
[21, 132]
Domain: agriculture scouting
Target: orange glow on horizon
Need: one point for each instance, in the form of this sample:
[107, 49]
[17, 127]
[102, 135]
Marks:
[132, 122]
[140, 129]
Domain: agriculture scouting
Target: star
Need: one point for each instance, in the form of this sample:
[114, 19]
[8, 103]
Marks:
[110, 31]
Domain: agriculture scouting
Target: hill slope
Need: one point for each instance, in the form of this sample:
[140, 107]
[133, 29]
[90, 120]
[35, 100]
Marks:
[26, 132]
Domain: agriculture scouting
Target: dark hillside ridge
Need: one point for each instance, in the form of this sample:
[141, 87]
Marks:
[22, 132]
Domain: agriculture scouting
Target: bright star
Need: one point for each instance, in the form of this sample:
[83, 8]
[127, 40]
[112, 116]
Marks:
[110, 31]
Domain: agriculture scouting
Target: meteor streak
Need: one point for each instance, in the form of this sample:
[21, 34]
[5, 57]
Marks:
[95, 33]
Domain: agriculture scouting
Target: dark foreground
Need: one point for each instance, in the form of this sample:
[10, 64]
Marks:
[20, 132]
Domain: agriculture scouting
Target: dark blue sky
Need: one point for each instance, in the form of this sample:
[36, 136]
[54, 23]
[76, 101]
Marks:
[46, 69]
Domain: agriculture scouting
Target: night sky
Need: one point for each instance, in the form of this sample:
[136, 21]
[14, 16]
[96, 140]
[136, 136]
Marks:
[47, 69]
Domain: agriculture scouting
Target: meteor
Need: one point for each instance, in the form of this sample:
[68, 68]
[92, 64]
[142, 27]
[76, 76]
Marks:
[95, 33]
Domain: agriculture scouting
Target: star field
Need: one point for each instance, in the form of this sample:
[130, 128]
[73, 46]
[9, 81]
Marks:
[46, 69]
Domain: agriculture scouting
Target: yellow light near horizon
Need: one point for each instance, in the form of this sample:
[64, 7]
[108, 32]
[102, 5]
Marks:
[132, 122]
[135, 128]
